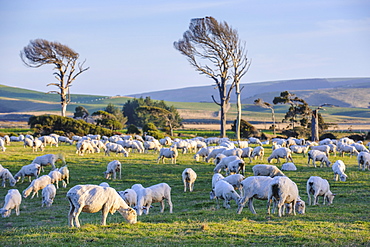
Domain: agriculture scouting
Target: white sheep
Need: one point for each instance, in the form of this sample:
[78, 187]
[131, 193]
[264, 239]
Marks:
[212, 140]
[130, 197]
[224, 191]
[258, 151]
[27, 142]
[242, 144]
[223, 162]
[94, 198]
[56, 176]
[266, 170]
[233, 152]
[235, 180]
[214, 153]
[316, 155]
[65, 139]
[36, 185]
[5, 174]
[300, 206]
[65, 175]
[32, 169]
[167, 141]
[215, 178]
[234, 167]
[86, 147]
[170, 153]
[48, 195]
[247, 153]
[283, 190]
[155, 193]
[351, 150]
[188, 178]
[360, 147]
[281, 153]
[254, 187]
[254, 140]
[113, 168]
[339, 168]
[115, 148]
[13, 200]
[299, 149]
[322, 148]
[326, 141]
[203, 152]
[289, 166]
[318, 186]
[38, 145]
[152, 145]
[47, 159]
[2, 144]
[363, 160]
[49, 140]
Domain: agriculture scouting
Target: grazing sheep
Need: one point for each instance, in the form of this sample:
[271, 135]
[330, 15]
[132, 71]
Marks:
[115, 148]
[49, 140]
[94, 198]
[288, 167]
[322, 148]
[339, 168]
[65, 140]
[130, 197]
[223, 163]
[363, 160]
[212, 140]
[65, 175]
[258, 151]
[167, 141]
[326, 141]
[153, 194]
[213, 154]
[203, 152]
[215, 178]
[281, 153]
[36, 185]
[86, 146]
[5, 174]
[247, 153]
[316, 155]
[266, 170]
[283, 190]
[234, 167]
[47, 159]
[188, 178]
[254, 187]
[351, 150]
[360, 147]
[112, 168]
[299, 149]
[38, 145]
[48, 195]
[224, 191]
[152, 145]
[254, 140]
[300, 207]
[27, 142]
[13, 200]
[32, 169]
[2, 145]
[235, 180]
[19, 138]
[318, 186]
[233, 152]
[56, 176]
[170, 153]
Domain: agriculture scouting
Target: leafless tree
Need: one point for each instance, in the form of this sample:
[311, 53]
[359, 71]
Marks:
[40, 52]
[264, 104]
[223, 58]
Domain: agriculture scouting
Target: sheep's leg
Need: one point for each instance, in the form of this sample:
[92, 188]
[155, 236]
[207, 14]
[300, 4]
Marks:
[293, 206]
[269, 205]
[191, 187]
[64, 184]
[104, 214]
[185, 184]
[17, 210]
[162, 206]
[250, 205]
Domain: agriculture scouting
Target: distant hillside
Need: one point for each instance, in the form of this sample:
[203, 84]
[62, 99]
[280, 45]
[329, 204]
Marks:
[344, 92]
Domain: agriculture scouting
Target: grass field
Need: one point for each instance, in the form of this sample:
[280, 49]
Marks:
[195, 220]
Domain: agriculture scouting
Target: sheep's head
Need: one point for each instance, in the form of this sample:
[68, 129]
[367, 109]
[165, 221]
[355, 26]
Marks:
[343, 177]
[5, 212]
[129, 214]
[330, 198]
[300, 207]
[212, 195]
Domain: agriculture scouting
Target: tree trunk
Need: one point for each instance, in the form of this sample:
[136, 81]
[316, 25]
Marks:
[223, 119]
[273, 121]
[63, 101]
[314, 126]
[239, 112]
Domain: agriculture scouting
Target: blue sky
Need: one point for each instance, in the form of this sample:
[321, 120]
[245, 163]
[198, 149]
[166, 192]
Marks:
[128, 45]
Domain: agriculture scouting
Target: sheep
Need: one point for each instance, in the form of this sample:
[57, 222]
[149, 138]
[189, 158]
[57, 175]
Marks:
[129, 196]
[32, 169]
[98, 144]
[288, 167]
[48, 195]
[116, 148]
[5, 174]
[223, 163]
[254, 187]
[224, 191]
[275, 146]
[333, 148]
[339, 168]
[363, 160]
[243, 144]
[214, 153]
[19, 138]
[254, 140]
[299, 149]
[234, 167]
[283, 190]
[235, 180]
[212, 140]
[2, 144]
[247, 153]
[86, 146]
[316, 155]
[112, 168]
[258, 151]
[7, 139]
[65, 140]
[13, 200]
[266, 170]
[38, 145]
[150, 145]
[165, 141]
[49, 140]
[170, 153]
[36, 185]
[94, 198]
[47, 159]
[360, 147]
[27, 142]
[281, 153]
[65, 175]
[153, 194]
[318, 186]
[322, 148]
[203, 152]
[56, 176]
[188, 178]
[351, 150]
[300, 206]
[326, 141]
[215, 178]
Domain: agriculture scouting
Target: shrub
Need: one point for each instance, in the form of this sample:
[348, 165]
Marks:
[132, 129]
[328, 135]
[246, 129]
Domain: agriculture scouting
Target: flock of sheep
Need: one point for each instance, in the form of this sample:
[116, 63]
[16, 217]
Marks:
[268, 183]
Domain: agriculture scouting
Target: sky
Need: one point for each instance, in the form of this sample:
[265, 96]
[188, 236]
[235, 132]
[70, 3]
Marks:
[128, 45]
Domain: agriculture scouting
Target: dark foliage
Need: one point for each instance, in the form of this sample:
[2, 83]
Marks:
[246, 129]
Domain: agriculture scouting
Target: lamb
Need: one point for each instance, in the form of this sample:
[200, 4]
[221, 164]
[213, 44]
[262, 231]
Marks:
[254, 187]
[281, 153]
[300, 206]
[215, 178]
[153, 194]
[283, 190]
[56, 176]
[351, 150]
[316, 155]
[38, 145]
[214, 153]
[47, 159]
[363, 160]
[170, 153]
[13, 200]
[188, 178]
[129, 196]
[288, 167]
[234, 167]
[224, 191]
[322, 148]
[65, 175]
[203, 152]
[116, 148]
[112, 168]
[94, 198]
[299, 149]
[258, 151]
[36, 185]
[48, 195]
[32, 169]
[235, 180]
[5, 174]
[339, 168]
[266, 170]
[247, 153]
[49, 140]
[27, 142]
[318, 186]
[223, 163]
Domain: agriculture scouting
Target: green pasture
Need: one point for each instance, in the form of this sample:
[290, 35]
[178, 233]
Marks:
[195, 221]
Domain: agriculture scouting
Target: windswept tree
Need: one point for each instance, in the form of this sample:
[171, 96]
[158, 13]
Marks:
[264, 104]
[65, 60]
[213, 48]
[317, 122]
[107, 120]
